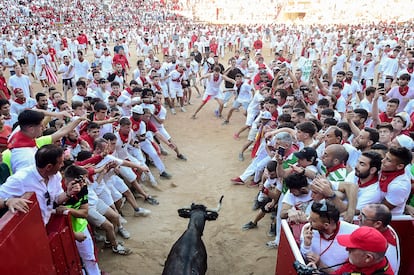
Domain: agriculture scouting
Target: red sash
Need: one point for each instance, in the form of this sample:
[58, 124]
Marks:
[387, 177]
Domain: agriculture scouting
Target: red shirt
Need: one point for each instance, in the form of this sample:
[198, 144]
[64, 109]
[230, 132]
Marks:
[384, 266]
[120, 59]
[88, 139]
[384, 118]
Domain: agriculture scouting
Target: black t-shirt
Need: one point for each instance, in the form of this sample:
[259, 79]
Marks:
[232, 74]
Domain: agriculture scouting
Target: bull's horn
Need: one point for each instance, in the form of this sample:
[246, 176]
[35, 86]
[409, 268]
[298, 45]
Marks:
[218, 206]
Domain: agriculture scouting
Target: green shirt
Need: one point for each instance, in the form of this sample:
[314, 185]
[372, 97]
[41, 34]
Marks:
[75, 202]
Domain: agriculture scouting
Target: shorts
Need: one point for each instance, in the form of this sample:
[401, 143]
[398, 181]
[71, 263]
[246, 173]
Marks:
[263, 203]
[30, 69]
[105, 195]
[116, 196]
[185, 84]
[22, 61]
[207, 97]
[67, 82]
[96, 213]
[164, 133]
[251, 116]
[127, 174]
[252, 134]
[238, 104]
[176, 93]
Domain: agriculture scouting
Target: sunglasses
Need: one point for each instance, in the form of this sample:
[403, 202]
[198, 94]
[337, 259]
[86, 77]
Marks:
[47, 197]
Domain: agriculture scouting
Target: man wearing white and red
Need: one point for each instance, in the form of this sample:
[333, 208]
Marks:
[394, 183]
[366, 247]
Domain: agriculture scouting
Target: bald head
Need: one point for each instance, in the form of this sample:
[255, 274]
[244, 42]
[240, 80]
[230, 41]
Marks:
[334, 154]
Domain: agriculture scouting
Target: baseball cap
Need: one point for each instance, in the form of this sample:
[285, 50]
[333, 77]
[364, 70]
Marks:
[266, 115]
[138, 109]
[307, 153]
[405, 117]
[365, 238]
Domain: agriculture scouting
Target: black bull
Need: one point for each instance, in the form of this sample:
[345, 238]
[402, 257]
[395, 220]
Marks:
[188, 256]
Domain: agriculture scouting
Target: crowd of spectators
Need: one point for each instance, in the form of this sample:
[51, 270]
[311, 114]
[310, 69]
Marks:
[328, 109]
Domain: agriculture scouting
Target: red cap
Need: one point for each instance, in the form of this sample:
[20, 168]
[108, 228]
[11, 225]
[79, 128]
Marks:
[262, 66]
[364, 238]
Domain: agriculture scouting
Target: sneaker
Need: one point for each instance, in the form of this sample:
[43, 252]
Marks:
[249, 225]
[122, 220]
[151, 200]
[165, 175]
[108, 244]
[241, 157]
[182, 157]
[253, 184]
[272, 230]
[236, 136]
[142, 212]
[164, 153]
[237, 181]
[225, 105]
[216, 113]
[183, 110]
[124, 233]
[225, 122]
[271, 244]
[173, 111]
[121, 250]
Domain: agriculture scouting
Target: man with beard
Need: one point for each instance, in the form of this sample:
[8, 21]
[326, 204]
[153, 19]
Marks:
[366, 139]
[41, 102]
[366, 176]
[318, 241]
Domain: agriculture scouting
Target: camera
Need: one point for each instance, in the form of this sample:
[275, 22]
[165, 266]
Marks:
[302, 269]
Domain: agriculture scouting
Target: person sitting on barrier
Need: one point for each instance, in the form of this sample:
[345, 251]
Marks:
[379, 217]
[298, 199]
[318, 240]
[366, 247]
[77, 206]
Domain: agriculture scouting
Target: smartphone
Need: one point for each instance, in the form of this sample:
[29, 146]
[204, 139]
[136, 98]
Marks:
[281, 151]
[380, 85]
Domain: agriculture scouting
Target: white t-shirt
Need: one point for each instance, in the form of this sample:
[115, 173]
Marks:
[22, 82]
[397, 193]
[330, 251]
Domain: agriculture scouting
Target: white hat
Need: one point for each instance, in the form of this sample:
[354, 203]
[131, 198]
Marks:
[266, 115]
[137, 109]
[406, 119]
[210, 60]
[405, 141]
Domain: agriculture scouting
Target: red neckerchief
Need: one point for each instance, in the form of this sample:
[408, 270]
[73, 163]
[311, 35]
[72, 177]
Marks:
[178, 79]
[334, 168]
[143, 80]
[338, 96]
[337, 54]
[129, 90]
[348, 81]
[368, 183]
[115, 95]
[358, 58]
[96, 82]
[157, 86]
[410, 70]
[20, 100]
[403, 90]
[124, 138]
[366, 62]
[333, 236]
[135, 124]
[19, 140]
[389, 235]
[71, 143]
[392, 56]
[157, 109]
[216, 78]
[387, 177]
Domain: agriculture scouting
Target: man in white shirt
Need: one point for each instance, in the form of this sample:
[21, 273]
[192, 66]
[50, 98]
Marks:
[44, 179]
[19, 80]
[81, 66]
